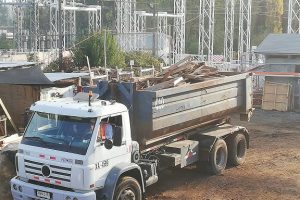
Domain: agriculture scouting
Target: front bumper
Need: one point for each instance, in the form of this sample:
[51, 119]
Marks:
[29, 192]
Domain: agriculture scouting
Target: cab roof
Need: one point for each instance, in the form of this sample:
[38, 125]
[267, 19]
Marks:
[70, 107]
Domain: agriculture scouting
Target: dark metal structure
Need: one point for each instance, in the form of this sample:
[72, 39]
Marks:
[158, 116]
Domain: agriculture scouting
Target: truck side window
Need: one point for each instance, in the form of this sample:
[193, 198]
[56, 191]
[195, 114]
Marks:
[111, 128]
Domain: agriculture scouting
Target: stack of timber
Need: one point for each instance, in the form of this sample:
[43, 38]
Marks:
[181, 73]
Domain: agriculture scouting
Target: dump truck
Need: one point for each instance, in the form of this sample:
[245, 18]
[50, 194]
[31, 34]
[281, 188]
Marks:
[113, 143]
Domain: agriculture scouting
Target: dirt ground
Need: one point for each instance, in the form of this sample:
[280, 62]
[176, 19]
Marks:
[271, 171]
[7, 171]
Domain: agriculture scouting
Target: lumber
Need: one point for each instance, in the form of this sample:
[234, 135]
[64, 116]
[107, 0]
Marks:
[166, 84]
[8, 116]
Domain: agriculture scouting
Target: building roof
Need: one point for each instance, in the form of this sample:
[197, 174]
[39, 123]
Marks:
[7, 65]
[57, 76]
[24, 76]
[288, 44]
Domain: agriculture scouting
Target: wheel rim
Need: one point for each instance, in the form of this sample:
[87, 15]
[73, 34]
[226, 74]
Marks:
[241, 149]
[220, 157]
[127, 194]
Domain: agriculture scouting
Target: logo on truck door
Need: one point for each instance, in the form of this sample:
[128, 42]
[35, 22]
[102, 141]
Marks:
[159, 103]
[101, 164]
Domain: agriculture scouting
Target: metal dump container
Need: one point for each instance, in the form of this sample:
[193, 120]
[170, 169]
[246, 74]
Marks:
[160, 115]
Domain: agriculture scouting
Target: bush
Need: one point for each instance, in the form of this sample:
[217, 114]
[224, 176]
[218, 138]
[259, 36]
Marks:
[143, 59]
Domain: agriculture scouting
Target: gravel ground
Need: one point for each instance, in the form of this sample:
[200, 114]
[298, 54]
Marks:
[271, 171]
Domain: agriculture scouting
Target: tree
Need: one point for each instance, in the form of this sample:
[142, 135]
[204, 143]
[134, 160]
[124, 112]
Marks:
[143, 59]
[274, 15]
[5, 43]
[93, 47]
[32, 57]
[4, 16]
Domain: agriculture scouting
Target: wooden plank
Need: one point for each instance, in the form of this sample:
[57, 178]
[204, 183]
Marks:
[166, 84]
[282, 99]
[203, 85]
[183, 67]
[3, 129]
[268, 105]
[269, 97]
[276, 96]
[8, 116]
[181, 64]
[283, 89]
[193, 77]
[281, 107]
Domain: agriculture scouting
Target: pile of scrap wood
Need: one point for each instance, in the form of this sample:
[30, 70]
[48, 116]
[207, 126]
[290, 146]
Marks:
[184, 72]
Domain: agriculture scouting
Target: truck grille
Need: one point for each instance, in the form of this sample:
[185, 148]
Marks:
[56, 172]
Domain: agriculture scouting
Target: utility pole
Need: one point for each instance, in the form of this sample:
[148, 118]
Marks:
[105, 49]
[59, 28]
[155, 29]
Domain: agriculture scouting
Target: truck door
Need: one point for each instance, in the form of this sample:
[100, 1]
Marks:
[111, 128]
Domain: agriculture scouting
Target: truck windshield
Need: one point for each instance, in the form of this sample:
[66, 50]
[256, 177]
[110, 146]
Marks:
[59, 132]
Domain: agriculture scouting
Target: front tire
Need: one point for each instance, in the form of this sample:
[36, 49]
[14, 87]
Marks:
[237, 149]
[218, 157]
[128, 188]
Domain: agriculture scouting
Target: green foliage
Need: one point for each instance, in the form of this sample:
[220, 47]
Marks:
[143, 59]
[32, 57]
[68, 66]
[267, 17]
[93, 47]
[5, 43]
[52, 67]
[274, 15]
[4, 16]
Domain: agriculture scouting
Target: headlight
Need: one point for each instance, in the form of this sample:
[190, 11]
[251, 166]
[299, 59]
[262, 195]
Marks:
[20, 189]
[15, 187]
[68, 198]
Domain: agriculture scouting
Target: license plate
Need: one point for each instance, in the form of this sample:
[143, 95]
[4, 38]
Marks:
[42, 194]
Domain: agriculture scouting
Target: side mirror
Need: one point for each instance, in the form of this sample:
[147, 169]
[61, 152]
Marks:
[108, 144]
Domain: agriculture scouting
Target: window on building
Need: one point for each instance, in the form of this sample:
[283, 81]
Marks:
[297, 68]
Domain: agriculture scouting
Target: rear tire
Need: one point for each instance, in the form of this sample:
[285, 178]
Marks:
[218, 157]
[237, 149]
[128, 188]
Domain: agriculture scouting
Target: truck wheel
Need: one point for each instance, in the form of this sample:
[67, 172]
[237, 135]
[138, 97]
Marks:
[237, 148]
[218, 157]
[128, 188]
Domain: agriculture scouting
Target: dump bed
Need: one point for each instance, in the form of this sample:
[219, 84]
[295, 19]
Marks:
[159, 115]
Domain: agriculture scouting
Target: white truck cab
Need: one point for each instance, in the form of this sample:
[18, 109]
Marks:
[64, 154]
